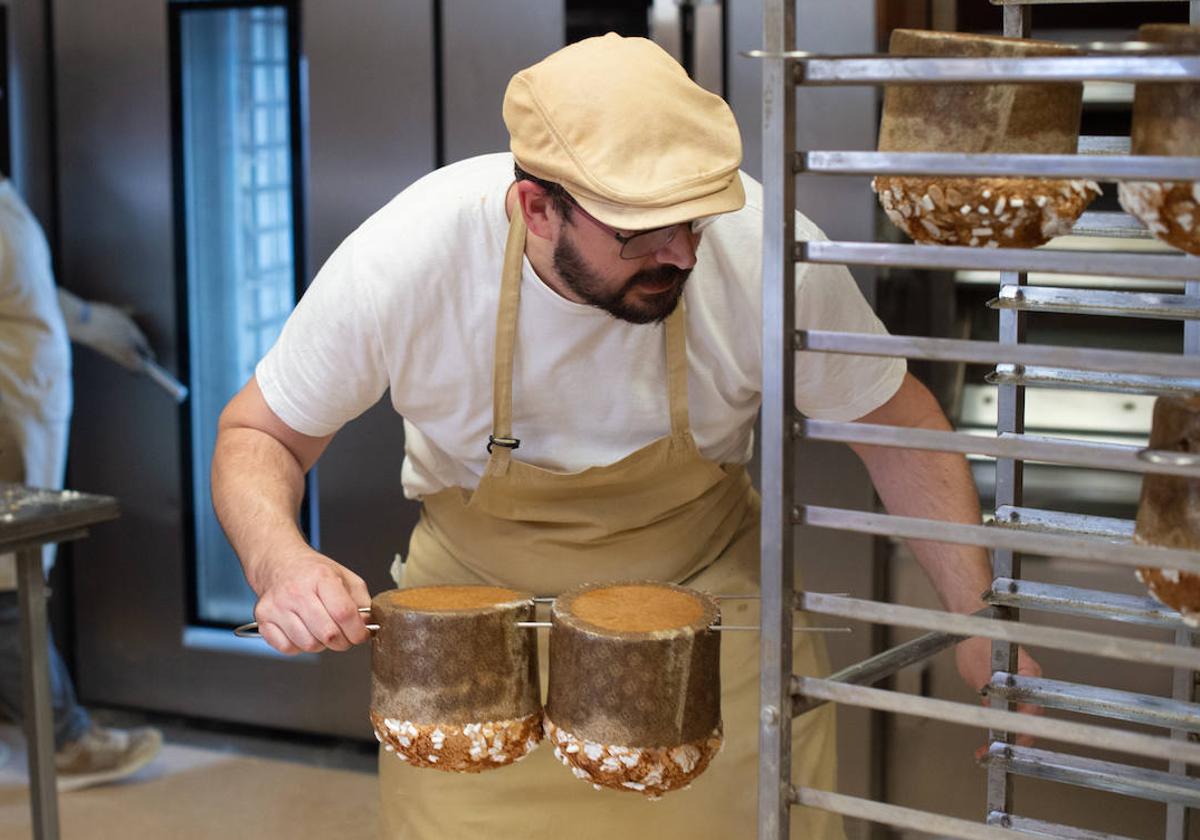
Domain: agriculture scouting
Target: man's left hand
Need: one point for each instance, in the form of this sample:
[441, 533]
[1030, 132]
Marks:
[974, 660]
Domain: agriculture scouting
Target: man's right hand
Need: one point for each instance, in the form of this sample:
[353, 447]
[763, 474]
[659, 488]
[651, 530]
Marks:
[307, 602]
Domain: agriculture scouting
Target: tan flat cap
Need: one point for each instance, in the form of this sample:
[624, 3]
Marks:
[618, 123]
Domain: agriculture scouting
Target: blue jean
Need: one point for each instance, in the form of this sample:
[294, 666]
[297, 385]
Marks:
[70, 719]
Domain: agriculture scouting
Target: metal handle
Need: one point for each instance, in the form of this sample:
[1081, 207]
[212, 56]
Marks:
[161, 377]
[250, 631]
[690, 31]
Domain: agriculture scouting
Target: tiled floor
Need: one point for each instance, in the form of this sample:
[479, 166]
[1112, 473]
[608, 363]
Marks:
[285, 746]
[212, 781]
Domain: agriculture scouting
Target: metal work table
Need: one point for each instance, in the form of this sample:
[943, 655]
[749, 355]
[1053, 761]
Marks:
[29, 519]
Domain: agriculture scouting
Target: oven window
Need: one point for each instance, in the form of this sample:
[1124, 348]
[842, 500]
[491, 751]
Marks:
[236, 72]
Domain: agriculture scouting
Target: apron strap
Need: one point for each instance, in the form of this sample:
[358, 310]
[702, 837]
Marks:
[677, 371]
[501, 443]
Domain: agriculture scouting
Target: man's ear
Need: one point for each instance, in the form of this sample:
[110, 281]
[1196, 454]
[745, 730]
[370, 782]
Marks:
[540, 216]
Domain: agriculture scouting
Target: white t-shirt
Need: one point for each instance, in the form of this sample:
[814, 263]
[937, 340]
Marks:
[35, 362]
[408, 302]
[35, 353]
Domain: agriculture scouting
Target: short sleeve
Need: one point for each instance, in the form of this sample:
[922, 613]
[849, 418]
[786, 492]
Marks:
[831, 386]
[327, 366]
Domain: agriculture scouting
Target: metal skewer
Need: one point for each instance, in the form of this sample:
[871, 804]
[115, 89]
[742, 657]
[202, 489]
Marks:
[250, 631]
[542, 625]
[550, 599]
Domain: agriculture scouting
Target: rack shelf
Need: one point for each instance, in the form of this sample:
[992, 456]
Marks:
[875, 70]
[1090, 603]
[1098, 167]
[1159, 266]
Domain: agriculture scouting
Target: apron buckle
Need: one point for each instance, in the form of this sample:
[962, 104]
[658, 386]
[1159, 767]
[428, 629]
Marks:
[506, 442]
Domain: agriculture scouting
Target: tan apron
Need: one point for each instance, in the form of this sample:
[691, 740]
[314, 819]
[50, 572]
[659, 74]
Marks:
[662, 513]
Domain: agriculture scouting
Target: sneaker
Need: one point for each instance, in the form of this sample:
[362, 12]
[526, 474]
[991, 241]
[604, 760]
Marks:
[104, 755]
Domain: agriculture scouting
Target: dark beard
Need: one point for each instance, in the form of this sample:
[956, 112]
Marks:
[624, 303]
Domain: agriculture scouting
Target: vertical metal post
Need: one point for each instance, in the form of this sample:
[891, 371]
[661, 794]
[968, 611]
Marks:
[1005, 563]
[1183, 682]
[1018, 21]
[1191, 327]
[1182, 688]
[1009, 477]
[778, 407]
[39, 719]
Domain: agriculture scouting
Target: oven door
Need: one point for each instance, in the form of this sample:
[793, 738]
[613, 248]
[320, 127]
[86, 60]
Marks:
[144, 194]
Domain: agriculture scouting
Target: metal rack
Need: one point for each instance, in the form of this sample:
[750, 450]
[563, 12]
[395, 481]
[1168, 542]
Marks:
[1016, 530]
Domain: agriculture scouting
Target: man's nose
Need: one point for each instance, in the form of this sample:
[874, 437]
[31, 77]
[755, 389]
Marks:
[680, 251]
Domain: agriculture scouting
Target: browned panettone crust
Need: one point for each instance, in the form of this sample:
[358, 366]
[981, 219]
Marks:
[983, 212]
[650, 771]
[1178, 590]
[468, 748]
[1169, 209]
[1169, 511]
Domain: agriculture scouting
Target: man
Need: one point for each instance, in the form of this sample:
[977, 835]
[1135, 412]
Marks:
[37, 321]
[576, 354]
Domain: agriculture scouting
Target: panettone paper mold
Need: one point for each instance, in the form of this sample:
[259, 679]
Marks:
[639, 711]
[455, 689]
[1028, 118]
[636, 711]
[1169, 510]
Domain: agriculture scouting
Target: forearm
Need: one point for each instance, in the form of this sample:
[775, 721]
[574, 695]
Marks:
[74, 310]
[931, 485]
[306, 601]
[936, 485]
[257, 487]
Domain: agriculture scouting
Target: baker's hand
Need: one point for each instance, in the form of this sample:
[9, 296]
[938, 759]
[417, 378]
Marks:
[974, 660]
[111, 331]
[106, 329]
[307, 602]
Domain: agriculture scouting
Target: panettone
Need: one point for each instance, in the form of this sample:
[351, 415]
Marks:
[635, 695]
[1166, 121]
[1027, 118]
[1169, 510]
[454, 680]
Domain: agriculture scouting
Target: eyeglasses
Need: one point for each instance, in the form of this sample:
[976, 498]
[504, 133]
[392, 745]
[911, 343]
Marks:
[637, 245]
